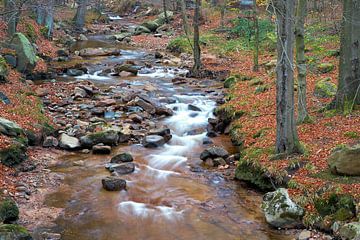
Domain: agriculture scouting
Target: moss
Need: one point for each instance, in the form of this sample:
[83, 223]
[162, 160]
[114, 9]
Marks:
[14, 232]
[325, 67]
[228, 112]
[256, 82]
[9, 212]
[262, 89]
[179, 45]
[13, 155]
[325, 88]
[230, 81]
[260, 133]
[338, 207]
[237, 137]
[30, 32]
[327, 175]
[351, 134]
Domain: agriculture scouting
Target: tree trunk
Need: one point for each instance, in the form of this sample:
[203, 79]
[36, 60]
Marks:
[286, 136]
[165, 11]
[257, 40]
[49, 19]
[197, 50]
[348, 93]
[303, 115]
[11, 15]
[80, 14]
[184, 17]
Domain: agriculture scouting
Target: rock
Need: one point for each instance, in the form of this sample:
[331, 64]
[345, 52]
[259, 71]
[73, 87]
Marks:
[151, 25]
[153, 141]
[122, 158]
[79, 93]
[14, 232]
[325, 67]
[11, 60]
[161, 17]
[120, 37]
[146, 106]
[126, 68]
[141, 29]
[162, 110]
[214, 152]
[113, 184]
[106, 102]
[4, 99]
[109, 137]
[350, 231]
[101, 149]
[93, 52]
[215, 162]
[50, 142]
[194, 108]
[9, 211]
[13, 155]
[346, 161]
[25, 53]
[41, 92]
[3, 70]
[304, 235]
[10, 128]
[122, 168]
[207, 141]
[163, 132]
[158, 55]
[341, 207]
[280, 211]
[82, 37]
[74, 72]
[230, 81]
[325, 88]
[135, 118]
[69, 143]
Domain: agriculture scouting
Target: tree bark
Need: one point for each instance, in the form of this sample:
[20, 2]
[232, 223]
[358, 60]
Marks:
[165, 11]
[197, 50]
[303, 115]
[348, 93]
[80, 14]
[257, 39]
[49, 19]
[286, 135]
[11, 16]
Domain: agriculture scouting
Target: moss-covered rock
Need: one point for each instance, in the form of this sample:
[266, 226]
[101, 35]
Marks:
[252, 172]
[13, 155]
[256, 82]
[230, 81]
[9, 211]
[25, 52]
[109, 137]
[325, 88]
[151, 25]
[338, 207]
[14, 232]
[345, 161]
[350, 231]
[3, 70]
[262, 89]
[280, 211]
[161, 17]
[141, 29]
[10, 128]
[325, 67]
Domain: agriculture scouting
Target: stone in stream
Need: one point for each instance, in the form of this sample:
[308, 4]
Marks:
[162, 110]
[50, 142]
[122, 158]
[214, 152]
[215, 162]
[101, 149]
[93, 52]
[74, 72]
[113, 184]
[126, 67]
[121, 168]
[68, 143]
[153, 141]
[146, 106]
[280, 211]
[194, 108]
[163, 132]
[109, 137]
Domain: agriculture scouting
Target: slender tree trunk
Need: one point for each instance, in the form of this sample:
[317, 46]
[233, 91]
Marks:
[303, 115]
[80, 14]
[49, 19]
[184, 17]
[222, 13]
[348, 93]
[286, 136]
[11, 15]
[165, 11]
[197, 50]
[257, 39]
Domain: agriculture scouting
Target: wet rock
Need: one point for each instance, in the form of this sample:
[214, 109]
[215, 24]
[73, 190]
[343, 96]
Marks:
[126, 68]
[215, 162]
[346, 161]
[113, 184]
[148, 107]
[142, 29]
[280, 211]
[69, 143]
[162, 110]
[93, 52]
[50, 142]
[163, 132]
[207, 141]
[25, 52]
[82, 37]
[14, 232]
[101, 149]
[194, 108]
[214, 152]
[122, 158]
[109, 137]
[4, 99]
[10, 128]
[106, 102]
[153, 141]
[135, 118]
[158, 55]
[121, 168]
[98, 111]
[120, 37]
[79, 93]
[74, 72]
[9, 211]
[350, 231]
[195, 132]
[304, 235]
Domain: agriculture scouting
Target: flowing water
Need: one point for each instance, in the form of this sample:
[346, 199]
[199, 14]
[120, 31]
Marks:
[170, 195]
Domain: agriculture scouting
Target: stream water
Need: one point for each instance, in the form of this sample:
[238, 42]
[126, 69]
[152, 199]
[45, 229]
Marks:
[170, 195]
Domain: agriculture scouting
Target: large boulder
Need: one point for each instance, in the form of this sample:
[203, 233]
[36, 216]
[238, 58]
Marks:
[113, 184]
[14, 232]
[325, 88]
[13, 154]
[350, 231]
[214, 152]
[9, 211]
[325, 67]
[93, 52]
[280, 211]
[346, 161]
[126, 68]
[25, 52]
[3, 70]
[10, 128]
[151, 25]
[122, 158]
[69, 143]
[108, 137]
